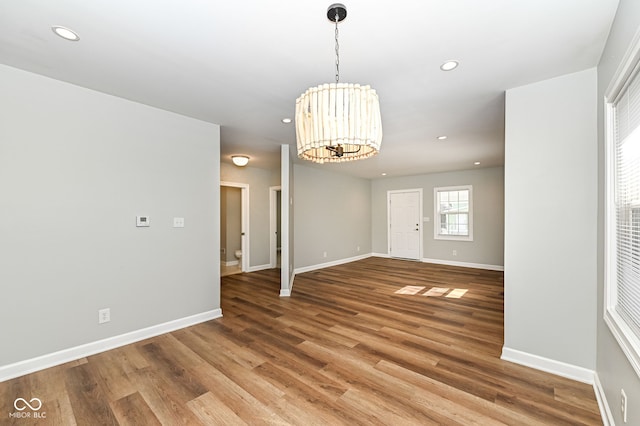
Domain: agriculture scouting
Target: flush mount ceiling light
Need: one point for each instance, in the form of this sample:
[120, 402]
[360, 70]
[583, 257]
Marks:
[338, 122]
[287, 120]
[441, 138]
[240, 160]
[65, 33]
[449, 65]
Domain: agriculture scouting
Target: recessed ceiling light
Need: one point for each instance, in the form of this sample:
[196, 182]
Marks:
[286, 120]
[441, 138]
[65, 33]
[477, 163]
[449, 65]
[384, 174]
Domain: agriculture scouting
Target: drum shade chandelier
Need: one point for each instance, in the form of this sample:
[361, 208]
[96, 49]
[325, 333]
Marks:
[338, 122]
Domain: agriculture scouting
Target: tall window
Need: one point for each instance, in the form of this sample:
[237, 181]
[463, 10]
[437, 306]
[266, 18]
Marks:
[622, 227]
[453, 213]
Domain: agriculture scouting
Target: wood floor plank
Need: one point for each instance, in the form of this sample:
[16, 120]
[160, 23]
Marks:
[132, 410]
[345, 349]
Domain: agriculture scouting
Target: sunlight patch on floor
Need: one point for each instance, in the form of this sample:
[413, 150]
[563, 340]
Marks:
[410, 289]
[456, 293]
[436, 292]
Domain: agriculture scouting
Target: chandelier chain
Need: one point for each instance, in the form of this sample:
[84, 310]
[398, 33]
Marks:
[337, 52]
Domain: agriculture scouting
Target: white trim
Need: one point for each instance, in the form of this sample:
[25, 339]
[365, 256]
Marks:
[259, 268]
[329, 264]
[465, 264]
[603, 405]
[436, 214]
[420, 216]
[285, 293]
[558, 368]
[230, 263]
[384, 255]
[244, 207]
[21, 368]
[627, 339]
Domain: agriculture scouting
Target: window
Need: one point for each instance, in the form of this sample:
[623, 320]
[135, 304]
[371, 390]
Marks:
[453, 213]
[622, 218]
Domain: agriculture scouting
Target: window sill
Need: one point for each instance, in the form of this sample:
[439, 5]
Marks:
[626, 339]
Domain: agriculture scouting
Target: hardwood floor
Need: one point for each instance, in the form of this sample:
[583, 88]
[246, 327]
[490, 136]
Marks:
[346, 348]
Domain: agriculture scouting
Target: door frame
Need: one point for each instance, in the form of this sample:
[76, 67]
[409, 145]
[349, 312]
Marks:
[273, 225]
[420, 225]
[245, 245]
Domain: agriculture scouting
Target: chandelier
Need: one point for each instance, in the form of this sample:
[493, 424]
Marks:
[337, 122]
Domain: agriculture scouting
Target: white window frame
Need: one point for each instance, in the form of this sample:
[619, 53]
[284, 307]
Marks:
[436, 214]
[625, 335]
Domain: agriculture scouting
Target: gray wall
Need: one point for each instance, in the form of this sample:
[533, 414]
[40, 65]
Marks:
[488, 215]
[259, 181]
[614, 370]
[551, 219]
[332, 214]
[76, 167]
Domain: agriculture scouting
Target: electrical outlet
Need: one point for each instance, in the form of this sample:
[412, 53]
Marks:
[455, 252]
[623, 405]
[324, 254]
[358, 248]
[104, 315]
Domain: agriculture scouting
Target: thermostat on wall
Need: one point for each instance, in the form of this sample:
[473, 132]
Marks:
[142, 221]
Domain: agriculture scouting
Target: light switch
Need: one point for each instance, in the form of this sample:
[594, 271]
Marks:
[142, 221]
[178, 222]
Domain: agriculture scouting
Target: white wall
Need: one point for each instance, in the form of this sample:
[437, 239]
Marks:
[614, 370]
[551, 219]
[488, 215]
[76, 167]
[332, 215]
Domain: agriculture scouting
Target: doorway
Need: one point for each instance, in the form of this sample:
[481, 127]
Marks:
[405, 223]
[234, 228]
[275, 223]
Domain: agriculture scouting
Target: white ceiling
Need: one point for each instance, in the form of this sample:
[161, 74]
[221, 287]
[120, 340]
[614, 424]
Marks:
[242, 64]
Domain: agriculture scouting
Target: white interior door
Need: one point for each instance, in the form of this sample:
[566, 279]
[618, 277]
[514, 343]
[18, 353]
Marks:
[405, 214]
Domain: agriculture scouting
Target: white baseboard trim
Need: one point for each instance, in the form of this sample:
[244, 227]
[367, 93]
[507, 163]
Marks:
[286, 292]
[465, 264]
[329, 264]
[21, 368]
[451, 263]
[605, 411]
[259, 268]
[230, 263]
[385, 255]
[558, 368]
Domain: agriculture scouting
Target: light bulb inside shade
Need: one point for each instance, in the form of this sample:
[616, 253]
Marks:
[65, 33]
[240, 160]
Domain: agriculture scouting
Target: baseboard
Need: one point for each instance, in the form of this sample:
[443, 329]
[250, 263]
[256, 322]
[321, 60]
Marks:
[259, 267]
[230, 263]
[451, 263]
[558, 368]
[384, 255]
[21, 368]
[465, 264]
[329, 264]
[605, 411]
